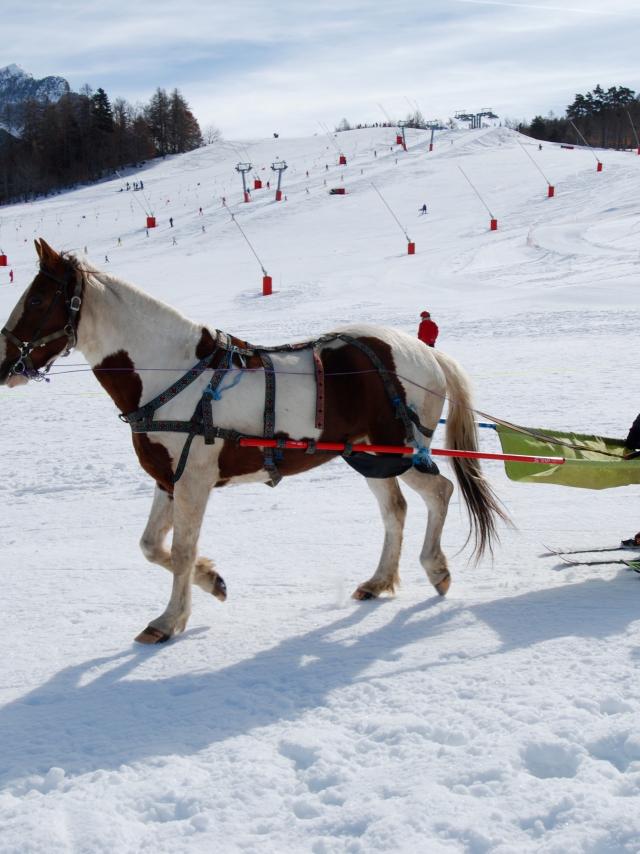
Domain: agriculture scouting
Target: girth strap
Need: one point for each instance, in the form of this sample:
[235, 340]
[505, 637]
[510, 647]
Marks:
[269, 416]
[320, 393]
[209, 395]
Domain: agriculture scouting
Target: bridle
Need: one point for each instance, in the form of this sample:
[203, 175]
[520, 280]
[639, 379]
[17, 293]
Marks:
[23, 364]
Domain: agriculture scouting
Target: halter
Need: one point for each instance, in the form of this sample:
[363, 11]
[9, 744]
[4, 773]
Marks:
[23, 364]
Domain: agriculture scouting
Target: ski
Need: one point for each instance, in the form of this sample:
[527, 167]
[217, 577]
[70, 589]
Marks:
[552, 551]
[632, 564]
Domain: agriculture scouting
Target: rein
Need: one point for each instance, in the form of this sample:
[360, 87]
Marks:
[23, 364]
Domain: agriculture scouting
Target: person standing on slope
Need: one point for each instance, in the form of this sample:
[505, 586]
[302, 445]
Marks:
[428, 329]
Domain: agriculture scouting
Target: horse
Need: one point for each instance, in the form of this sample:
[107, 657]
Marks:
[360, 383]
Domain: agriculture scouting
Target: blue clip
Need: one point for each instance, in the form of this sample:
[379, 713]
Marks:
[216, 394]
[423, 461]
[422, 456]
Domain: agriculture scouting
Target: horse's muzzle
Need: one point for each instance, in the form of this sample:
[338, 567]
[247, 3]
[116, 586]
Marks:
[15, 380]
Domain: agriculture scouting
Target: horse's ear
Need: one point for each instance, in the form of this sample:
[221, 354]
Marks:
[46, 253]
[38, 249]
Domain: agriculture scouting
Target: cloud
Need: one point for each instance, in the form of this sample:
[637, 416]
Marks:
[253, 67]
[590, 7]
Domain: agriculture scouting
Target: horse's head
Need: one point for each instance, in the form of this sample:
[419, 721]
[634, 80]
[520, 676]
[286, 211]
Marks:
[44, 322]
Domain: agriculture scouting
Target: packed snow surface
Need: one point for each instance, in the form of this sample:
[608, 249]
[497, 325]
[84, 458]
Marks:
[503, 718]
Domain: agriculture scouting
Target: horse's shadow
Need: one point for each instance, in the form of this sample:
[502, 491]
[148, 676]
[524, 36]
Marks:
[82, 724]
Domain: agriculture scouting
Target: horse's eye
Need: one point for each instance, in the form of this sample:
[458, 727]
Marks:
[35, 301]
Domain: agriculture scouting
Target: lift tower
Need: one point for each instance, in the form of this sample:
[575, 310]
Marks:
[243, 168]
[279, 166]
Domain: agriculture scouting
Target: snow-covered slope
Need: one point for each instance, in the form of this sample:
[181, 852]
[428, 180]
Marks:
[293, 719]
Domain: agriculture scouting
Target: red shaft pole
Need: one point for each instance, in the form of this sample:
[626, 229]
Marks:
[302, 445]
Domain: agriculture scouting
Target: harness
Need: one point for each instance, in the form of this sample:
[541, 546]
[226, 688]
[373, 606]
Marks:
[24, 364]
[201, 422]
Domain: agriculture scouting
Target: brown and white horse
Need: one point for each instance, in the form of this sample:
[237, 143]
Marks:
[118, 328]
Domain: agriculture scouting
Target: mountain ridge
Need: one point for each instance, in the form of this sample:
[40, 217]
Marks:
[18, 86]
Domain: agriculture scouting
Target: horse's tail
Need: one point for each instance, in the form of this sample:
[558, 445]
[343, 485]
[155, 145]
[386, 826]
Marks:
[483, 505]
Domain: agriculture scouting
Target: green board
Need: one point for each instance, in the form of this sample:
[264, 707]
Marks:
[587, 469]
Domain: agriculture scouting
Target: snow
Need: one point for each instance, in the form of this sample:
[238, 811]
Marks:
[293, 719]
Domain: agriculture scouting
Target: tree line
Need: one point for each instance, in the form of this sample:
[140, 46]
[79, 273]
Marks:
[606, 119]
[413, 120]
[83, 137]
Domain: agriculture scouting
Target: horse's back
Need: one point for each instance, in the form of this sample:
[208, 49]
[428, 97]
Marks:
[411, 360]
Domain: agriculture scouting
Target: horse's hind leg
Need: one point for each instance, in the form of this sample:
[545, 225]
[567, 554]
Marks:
[393, 509]
[153, 546]
[436, 491]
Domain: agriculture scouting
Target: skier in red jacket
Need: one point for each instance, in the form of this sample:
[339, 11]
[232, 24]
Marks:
[428, 330]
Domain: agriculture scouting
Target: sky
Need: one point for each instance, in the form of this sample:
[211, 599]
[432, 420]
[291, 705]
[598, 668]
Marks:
[253, 68]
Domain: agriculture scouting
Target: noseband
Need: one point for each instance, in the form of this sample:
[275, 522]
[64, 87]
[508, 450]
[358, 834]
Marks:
[23, 364]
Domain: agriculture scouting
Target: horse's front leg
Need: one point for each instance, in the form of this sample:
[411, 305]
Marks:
[153, 546]
[189, 503]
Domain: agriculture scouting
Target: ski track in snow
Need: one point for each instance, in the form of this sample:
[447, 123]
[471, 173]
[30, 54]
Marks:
[292, 719]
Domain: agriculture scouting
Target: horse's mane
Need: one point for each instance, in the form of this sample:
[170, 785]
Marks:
[116, 286]
[84, 267]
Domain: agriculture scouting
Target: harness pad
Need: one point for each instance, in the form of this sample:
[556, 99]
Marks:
[378, 465]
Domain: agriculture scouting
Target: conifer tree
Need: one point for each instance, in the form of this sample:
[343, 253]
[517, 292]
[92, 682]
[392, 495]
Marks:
[101, 112]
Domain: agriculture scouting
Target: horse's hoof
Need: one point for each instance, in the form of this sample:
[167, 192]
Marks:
[220, 588]
[151, 635]
[443, 586]
[363, 595]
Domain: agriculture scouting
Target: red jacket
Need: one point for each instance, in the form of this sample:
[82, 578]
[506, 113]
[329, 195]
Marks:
[428, 331]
